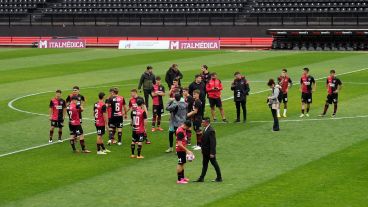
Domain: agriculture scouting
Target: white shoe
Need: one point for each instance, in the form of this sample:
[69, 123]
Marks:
[301, 115]
[119, 143]
[169, 150]
[106, 151]
[197, 148]
[109, 142]
[60, 140]
[101, 153]
[50, 141]
[307, 115]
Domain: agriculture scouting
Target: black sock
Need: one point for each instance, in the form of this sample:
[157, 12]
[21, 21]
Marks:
[139, 150]
[132, 146]
[120, 134]
[72, 143]
[179, 176]
[51, 134]
[302, 111]
[60, 133]
[171, 138]
[81, 142]
[335, 108]
[182, 174]
[154, 120]
[158, 120]
[111, 134]
[98, 147]
[325, 110]
[102, 146]
[308, 109]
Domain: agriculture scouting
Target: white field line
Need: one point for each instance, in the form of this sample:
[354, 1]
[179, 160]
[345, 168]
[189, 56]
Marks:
[10, 104]
[297, 120]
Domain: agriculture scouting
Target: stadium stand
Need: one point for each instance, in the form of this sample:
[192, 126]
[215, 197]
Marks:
[192, 18]
[233, 12]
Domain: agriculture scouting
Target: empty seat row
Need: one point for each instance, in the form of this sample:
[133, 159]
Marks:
[13, 11]
[22, 1]
[154, 1]
[308, 10]
[304, 1]
[307, 6]
[312, 4]
[147, 6]
[136, 11]
[18, 5]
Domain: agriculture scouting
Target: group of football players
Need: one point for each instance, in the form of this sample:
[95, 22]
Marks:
[110, 111]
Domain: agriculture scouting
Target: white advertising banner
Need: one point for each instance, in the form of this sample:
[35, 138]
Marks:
[144, 44]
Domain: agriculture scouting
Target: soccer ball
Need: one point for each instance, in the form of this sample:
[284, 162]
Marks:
[190, 157]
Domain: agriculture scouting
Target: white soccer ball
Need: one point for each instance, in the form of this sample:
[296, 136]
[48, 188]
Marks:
[190, 157]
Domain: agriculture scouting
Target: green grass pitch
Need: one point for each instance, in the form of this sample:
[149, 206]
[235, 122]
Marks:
[310, 162]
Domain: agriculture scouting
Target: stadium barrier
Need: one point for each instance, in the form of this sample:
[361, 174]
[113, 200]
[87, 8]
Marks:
[225, 42]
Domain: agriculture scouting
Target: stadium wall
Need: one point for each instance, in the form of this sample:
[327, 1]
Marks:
[225, 42]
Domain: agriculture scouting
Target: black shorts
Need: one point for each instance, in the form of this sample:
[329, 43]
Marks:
[307, 97]
[182, 157]
[137, 137]
[57, 124]
[197, 125]
[332, 98]
[100, 130]
[75, 130]
[116, 122]
[283, 98]
[215, 102]
[157, 110]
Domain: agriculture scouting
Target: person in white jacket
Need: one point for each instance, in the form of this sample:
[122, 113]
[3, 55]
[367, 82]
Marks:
[273, 102]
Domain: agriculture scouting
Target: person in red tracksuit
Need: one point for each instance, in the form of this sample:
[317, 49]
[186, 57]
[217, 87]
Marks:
[214, 88]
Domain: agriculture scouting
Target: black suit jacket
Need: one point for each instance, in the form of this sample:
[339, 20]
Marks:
[209, 141]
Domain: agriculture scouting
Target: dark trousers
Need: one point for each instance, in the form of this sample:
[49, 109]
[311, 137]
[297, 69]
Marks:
[206, 159]
[244, 108]
[276, 126]
[203, 106]
[147, 94]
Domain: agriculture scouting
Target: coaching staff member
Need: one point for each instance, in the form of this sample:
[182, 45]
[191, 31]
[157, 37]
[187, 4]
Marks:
[147, 81]
[241, 89]
[209, 151]
[172, 74]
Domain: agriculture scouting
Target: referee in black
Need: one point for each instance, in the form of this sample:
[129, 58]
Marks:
[209, 151]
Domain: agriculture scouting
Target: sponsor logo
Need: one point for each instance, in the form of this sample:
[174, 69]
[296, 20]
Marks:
[62, 43]
[171, 45]
[174, 45]
[42, 44]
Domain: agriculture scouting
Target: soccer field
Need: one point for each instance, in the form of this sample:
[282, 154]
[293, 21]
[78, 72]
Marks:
[310, 162]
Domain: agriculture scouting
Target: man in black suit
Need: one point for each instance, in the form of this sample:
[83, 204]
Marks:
[209, 151]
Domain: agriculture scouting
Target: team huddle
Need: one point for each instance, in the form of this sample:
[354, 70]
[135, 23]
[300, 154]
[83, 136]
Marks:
[186, 106]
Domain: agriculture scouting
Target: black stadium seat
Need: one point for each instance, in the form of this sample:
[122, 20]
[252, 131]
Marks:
[236, 10]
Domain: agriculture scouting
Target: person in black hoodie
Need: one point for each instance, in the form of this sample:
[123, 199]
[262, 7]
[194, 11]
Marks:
[241, 89]
[172, 74]
[198, 84]
[147, 81]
